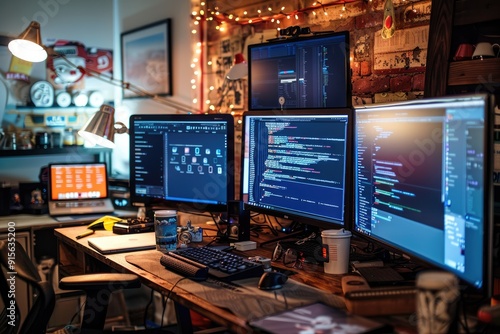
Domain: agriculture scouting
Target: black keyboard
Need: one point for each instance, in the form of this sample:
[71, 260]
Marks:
[199, 263]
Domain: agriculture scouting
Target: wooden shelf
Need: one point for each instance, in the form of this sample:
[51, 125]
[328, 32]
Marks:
[50, 151]
[477, 11]
[472, 72]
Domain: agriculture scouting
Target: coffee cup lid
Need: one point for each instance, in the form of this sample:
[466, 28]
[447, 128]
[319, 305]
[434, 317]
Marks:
[165, 213]
[342, 233]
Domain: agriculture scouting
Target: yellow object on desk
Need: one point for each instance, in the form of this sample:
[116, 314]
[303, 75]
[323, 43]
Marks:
[105, 222]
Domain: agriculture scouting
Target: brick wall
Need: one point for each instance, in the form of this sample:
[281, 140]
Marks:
[382, 70]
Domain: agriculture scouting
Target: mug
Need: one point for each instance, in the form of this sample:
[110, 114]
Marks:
[485, 50]
[464, 52]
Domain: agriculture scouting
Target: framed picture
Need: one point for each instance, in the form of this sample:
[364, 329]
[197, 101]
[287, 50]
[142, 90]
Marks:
[147, 59]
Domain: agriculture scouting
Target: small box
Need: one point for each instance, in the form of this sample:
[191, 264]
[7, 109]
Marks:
[244, 245]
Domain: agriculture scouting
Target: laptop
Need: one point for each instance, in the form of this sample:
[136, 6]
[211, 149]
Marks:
[121, 243]
[78, 189]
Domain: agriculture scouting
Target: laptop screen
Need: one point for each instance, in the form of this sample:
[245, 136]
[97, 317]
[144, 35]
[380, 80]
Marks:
[78, 181]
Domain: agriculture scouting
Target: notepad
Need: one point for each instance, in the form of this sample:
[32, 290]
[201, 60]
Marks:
[123, 243]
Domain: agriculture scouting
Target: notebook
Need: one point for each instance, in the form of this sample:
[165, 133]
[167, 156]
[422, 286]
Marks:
[121, 243]
[317, 318]
[78, 189]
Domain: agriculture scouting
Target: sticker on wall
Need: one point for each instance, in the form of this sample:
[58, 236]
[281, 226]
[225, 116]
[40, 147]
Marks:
[389, 24]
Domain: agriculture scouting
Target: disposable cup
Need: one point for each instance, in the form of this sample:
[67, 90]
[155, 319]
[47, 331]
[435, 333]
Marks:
[337, 244]
[437, 297]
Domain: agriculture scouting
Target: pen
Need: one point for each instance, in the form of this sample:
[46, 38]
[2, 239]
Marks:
[84, 234]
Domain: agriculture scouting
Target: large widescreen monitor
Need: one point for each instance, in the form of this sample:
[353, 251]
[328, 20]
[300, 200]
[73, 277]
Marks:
[182, 161]
[423, 182]
[300, 73]
[297, 165]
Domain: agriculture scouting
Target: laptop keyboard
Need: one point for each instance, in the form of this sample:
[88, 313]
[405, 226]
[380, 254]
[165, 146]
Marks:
[80, 204]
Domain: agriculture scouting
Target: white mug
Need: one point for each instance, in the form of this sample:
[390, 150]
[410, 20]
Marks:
[485, 50]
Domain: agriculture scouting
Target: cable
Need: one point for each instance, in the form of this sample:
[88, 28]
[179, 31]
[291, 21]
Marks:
[125, 85]
[167, 298]
[145, 321]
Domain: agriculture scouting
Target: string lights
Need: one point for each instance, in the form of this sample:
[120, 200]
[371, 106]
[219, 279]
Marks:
[205, 17]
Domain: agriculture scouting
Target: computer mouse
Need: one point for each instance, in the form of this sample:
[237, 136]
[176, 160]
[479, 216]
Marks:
[271, 280]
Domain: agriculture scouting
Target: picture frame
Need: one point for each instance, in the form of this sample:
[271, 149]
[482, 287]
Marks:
[147, 60]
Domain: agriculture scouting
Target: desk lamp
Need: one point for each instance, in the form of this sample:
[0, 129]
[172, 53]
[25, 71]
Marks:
[101, 128]
[28, 46]
[237, 71]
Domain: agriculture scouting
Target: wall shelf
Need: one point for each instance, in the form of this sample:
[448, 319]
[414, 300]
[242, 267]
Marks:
[474, 72]
[50, 151]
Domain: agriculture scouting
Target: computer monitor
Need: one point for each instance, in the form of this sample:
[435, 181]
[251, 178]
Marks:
[423, 182]
[297, 165]
[300, 73]
[182, 161]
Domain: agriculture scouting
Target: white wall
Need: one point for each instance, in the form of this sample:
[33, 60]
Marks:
[99, 23]
[133, 14]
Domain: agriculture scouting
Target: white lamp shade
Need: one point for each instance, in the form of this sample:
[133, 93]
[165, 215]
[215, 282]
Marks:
[239, 69]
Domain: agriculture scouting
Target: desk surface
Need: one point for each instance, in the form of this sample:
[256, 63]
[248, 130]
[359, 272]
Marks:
[27, 221]
[311, 277]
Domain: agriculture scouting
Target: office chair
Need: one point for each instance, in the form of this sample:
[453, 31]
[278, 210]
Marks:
[98, 288]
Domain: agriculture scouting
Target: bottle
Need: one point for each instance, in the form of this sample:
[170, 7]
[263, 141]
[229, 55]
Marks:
[68, 137]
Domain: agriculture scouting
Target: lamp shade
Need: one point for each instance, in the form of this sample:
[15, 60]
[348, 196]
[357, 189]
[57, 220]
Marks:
[239, 69]
[100, 130]
[28, 46]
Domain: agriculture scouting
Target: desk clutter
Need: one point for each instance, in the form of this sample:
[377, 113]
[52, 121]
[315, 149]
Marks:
[246, 300]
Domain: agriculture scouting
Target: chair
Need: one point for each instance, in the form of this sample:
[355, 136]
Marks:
[97, 287]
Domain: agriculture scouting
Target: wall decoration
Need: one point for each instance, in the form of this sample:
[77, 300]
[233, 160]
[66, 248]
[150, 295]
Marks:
[406, 51]
[389, 24]
[146, 59]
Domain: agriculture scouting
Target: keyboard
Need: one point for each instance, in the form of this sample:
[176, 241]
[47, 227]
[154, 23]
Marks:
[80, 204]
[200, 263]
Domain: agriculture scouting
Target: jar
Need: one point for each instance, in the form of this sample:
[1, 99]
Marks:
[68, 137]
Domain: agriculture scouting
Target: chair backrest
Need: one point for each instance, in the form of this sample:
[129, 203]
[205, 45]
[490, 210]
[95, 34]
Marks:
[15, 262]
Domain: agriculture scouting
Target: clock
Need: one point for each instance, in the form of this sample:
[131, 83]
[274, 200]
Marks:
[42, 94]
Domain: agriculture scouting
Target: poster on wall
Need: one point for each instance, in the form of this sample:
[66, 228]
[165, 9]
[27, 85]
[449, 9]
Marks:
[406, 51]
[146, 59]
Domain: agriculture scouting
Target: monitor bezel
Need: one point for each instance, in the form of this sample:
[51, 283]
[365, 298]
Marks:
[185, 206]
[487, 288]
[283, 41]
[295, 216]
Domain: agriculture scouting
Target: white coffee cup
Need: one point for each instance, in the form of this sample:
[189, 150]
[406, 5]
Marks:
[337, 243]
[485, 50]
[437, 298]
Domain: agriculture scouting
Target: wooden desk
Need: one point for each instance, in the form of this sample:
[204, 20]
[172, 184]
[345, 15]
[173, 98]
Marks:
[77, 257]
